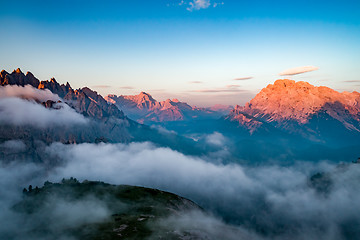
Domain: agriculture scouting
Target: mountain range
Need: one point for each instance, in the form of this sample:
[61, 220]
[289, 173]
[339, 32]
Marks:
[145, 109]
[286, 116]
[85, 101]
[105, 122]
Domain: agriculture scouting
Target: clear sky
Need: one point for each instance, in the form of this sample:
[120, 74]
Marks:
[190, 50]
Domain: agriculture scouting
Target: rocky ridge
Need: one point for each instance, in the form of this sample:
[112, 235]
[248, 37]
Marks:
[299, 107]
[85, 101]
[145, 109]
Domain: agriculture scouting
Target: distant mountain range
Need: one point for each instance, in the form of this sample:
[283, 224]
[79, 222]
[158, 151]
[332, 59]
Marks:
[286, 116]
[106, 122]
[145, 109]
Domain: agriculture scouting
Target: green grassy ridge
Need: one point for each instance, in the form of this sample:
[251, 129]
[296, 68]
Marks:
[133, 211]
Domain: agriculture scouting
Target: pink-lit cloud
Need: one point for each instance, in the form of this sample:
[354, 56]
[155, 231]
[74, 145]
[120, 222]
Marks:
[298, 70]
[126, 87]
[243, 78]
[101, 86]
[227, 89]
[352, 81]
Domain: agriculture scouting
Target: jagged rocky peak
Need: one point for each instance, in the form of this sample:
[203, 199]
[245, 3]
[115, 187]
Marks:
[300, 108]
[84, 100]
[145, 109]
[3, 73]
[143, 96]
[90, 93]
[143, 100]
[18, 71]
[287, 99]
[89, 103]
[29, 74]
[61, 90]
[17, 77]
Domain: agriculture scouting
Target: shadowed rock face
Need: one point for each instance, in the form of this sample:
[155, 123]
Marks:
[300, 108]
[55, 87]
[95, 106]
[18, 78]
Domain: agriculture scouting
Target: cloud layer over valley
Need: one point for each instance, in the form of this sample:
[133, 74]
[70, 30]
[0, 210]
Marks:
[21, 106]
[276, 202]
[27, 92]
[29, 113]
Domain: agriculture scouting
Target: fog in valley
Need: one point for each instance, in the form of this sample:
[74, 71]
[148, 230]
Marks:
[263, 202]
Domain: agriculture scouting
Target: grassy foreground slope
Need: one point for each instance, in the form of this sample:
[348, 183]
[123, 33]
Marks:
[96, 210]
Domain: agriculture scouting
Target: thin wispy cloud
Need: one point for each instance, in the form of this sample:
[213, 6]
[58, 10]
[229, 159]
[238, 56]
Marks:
[352, 81]
[243, 78]
[218, 90]
[196, 82]
[233, 86]
[227, 89]
[101, 86]
[126, 87]
[157, 90]
[298, 70]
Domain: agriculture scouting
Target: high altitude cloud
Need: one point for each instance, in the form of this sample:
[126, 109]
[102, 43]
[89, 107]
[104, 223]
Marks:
[101, 86]
[352, 81]
[126, 87]
[226, 89]
[243, 78]
[199, 4]
[298, 70]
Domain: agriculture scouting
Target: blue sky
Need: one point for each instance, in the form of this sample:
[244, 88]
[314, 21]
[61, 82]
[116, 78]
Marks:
[191, 50]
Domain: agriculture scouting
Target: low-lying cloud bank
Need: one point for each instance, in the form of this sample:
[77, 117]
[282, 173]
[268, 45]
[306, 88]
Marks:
[21, 106]
[17, 111]
[277, 200]
[27, 92]
[272, 201]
